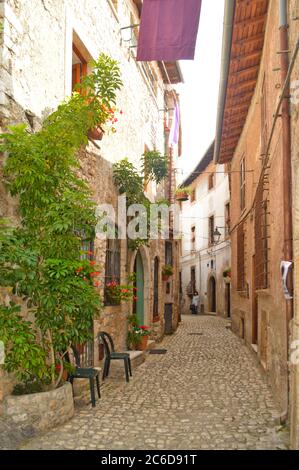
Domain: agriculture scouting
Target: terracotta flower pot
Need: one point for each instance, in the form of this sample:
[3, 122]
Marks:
[182, 197]
[165, 277]
[141, 346]
[96, 133]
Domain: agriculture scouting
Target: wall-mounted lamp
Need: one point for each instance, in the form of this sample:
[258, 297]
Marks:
[216, 235]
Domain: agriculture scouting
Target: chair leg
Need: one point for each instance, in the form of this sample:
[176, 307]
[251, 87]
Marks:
[105, 369]
[126, 369]
[130, 367]
[92, 392]
[108, 367]
[98, 386]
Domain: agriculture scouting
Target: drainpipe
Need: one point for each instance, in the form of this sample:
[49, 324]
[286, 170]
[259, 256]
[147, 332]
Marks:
[287, 168]
[286, 151]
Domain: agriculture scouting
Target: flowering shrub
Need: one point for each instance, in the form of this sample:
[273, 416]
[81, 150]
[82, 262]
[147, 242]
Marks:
[116, 293]
[142, 330]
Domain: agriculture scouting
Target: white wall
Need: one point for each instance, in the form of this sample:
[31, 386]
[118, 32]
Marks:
[208, 203]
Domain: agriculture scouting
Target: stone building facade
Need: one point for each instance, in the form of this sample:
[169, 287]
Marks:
[204, 257]
[251, 138]
[39, 48]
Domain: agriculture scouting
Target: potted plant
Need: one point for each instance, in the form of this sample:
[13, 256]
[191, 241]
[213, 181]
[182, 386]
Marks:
[138, 337]
[167, 271]
[227, 275]
[182, 194]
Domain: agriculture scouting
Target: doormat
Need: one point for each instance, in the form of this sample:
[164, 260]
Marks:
[158, 351]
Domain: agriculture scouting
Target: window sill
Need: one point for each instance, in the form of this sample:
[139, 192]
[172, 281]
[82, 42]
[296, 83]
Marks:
[263, 292]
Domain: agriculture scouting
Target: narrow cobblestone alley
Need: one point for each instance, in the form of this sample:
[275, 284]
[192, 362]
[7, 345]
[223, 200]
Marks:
[206, 393]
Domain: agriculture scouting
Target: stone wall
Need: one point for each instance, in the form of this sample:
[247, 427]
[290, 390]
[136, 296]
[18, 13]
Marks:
[41, 411]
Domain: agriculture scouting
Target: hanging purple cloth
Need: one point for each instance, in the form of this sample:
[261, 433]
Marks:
[175, 128]
[168, 30]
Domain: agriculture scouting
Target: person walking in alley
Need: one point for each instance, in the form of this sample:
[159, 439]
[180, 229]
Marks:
[194, 303]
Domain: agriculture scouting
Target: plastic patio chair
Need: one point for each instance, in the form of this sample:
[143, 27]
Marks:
[86, 372]
[112, 355]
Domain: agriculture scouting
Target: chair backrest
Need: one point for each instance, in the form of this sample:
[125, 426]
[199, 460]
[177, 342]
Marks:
[107, 342]
[83, 354]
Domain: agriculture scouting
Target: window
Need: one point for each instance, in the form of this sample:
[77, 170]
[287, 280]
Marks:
[168, 254]
[193, 195]
[79, 67]
[211, 229]
[193, 280]
[156, 288]
[87, 247]
[264, 126]
[227, 219]
[112, 265]
[261, 240]
[240, 258]
[242, 184]
[193, 238]
[211, 181]
[151, 76]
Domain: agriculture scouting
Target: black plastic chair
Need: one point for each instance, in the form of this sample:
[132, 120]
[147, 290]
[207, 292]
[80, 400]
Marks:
[86, 371]
[111, 355]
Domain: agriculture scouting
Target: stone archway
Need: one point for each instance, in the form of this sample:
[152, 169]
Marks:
[143, 255]
[212, 296]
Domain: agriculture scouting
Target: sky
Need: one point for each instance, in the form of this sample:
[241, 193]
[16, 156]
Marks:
[199, 93]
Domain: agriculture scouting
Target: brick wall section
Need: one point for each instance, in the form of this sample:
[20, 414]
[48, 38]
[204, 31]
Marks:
[271, 314]
[294, 368]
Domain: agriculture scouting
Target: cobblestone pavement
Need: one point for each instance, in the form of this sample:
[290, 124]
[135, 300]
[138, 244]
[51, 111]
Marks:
[207, 392]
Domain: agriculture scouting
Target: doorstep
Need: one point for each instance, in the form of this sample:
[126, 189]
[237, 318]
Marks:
[138, 357]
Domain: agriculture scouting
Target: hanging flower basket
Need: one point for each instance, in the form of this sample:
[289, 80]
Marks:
[96, 133]
[182, 194]
[167, 272]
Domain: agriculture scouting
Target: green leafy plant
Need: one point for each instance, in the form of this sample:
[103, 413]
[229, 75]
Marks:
[116, 293]
[227, 272]
[135, 332]
[41, 260]
[183, 190]
[167, 270]
[154, 166]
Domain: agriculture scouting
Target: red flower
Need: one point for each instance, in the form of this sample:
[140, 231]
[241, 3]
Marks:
[121, 112]
[94, 274]
[97, 284]
[58, 366]
[135, 298]
[78, 270]
[90, 253]
[125, 291]
[92, 263]
[135, 289]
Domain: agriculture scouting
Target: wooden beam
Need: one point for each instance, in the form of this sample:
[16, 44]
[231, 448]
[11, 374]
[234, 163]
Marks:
[244, 71]
[251, 55]
[251, 21]
[249, 39]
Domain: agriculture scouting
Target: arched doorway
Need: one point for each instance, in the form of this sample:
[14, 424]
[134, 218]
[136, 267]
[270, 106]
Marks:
[139, 283]
[212, 294]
